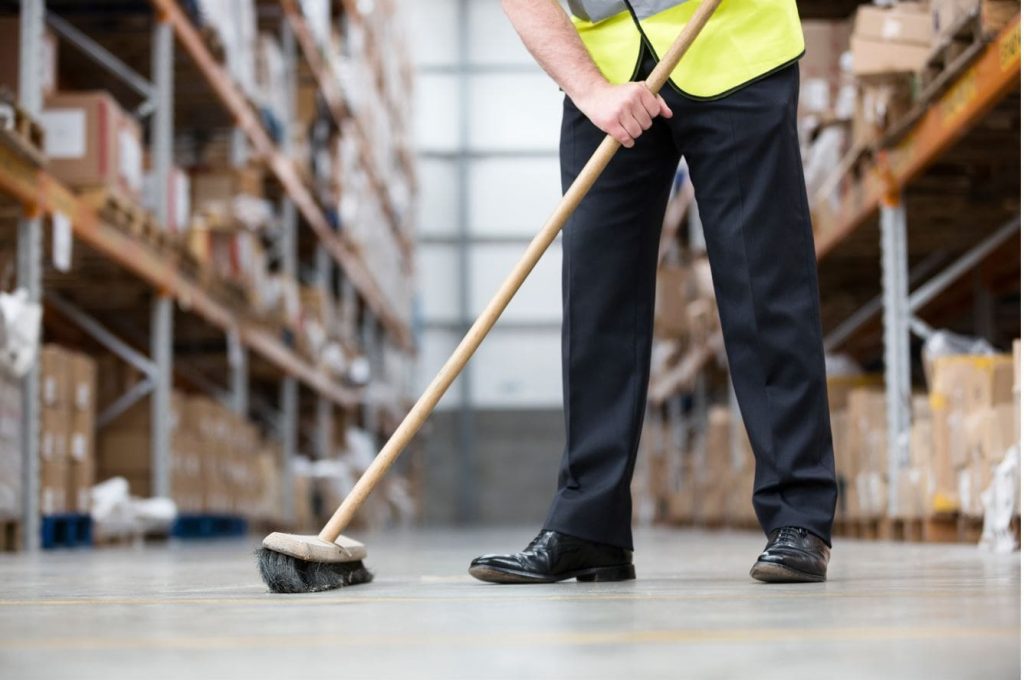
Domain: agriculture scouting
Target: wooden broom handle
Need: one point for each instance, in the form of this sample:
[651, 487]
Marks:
[422, 409]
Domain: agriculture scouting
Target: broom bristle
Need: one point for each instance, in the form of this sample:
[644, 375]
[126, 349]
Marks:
[286, 574]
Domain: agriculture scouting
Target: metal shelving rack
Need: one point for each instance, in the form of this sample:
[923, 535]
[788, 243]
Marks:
[898, 272]
[275, 359]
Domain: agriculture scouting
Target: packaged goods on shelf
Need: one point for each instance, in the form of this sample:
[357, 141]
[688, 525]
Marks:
[233, 22]
[10, 445]
[271, 84]
[896, 39]
[318, 17]
[10, 57]
[676, 287]
[67, 430]
[880, 103]
[217, 461]
[820, 72]
[994, 14]
[230, 197]
[974, 424]
[91, 142]
[178, 196]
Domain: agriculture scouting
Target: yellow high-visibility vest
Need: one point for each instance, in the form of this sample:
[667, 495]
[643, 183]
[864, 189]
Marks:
[742, 41]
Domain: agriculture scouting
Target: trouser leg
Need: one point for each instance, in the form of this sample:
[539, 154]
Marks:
[744, 160]
[609, 257]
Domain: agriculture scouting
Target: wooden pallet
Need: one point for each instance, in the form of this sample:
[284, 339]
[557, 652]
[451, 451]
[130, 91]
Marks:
[10, 535]
[123, 213]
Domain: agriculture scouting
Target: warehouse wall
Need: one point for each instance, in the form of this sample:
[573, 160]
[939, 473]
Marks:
[487, 121]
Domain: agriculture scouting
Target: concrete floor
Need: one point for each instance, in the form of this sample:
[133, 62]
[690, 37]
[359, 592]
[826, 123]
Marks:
[199, 611]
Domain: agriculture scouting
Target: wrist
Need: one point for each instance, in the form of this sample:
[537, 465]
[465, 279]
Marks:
[585, 87]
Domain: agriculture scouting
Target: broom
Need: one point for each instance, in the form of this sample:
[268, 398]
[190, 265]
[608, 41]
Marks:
[293, 563]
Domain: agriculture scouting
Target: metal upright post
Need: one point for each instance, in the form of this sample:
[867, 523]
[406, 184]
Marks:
[289, 436]
[30, 266]
[896, 324]
[324, 407]
[289, 428]
[238, 363]
[467, 500]
[162, 317]
[370, 343]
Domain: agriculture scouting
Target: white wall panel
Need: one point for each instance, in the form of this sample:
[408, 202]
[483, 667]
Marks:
[438, 197]
[518, 369]
[514, 112]
[436, 120]
[432, 28]
[540, 298]
[492, 39]
[437, 280]
[512, 196]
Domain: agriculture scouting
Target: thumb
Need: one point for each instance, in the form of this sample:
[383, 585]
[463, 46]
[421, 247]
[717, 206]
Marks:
[665, 110]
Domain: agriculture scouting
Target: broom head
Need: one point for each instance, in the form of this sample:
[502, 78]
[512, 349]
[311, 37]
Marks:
[293, 563]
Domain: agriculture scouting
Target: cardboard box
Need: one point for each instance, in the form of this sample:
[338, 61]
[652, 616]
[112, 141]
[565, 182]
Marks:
[10, 56]
[905, 22]
[880, 58]
[81, 478]
[55, 431]
[840, 386]
[675, 289]
[990, 381]
[54, 376]
[123, 452]
[82, 138]
[82, 370]
[53, 480]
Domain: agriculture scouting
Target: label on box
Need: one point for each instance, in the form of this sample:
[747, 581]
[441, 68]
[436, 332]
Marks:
[130, 159]
[78, 446]
[62, 241]
[65, 132]
[82, 394]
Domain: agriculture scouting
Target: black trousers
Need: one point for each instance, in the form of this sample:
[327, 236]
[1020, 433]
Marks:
[745, 165]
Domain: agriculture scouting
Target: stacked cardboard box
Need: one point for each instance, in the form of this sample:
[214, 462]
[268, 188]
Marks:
[974, 419]
[220, 463]
[10, 446]
[68, 430]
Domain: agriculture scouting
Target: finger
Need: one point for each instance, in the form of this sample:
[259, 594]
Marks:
[632, 126]
[623, 137]
[651, 104]
[665, 110]
[641, 116]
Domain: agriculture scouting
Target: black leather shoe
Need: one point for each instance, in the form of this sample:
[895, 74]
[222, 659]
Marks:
[793, 555]
[555, 557]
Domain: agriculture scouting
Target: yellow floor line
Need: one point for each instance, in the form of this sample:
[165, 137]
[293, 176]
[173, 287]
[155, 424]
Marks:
[268, 599]
[552, 638]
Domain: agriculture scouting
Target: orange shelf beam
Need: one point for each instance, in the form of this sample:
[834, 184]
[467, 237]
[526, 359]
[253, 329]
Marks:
[341, 111]
[344, 252]
[38, 191]
[994, 74]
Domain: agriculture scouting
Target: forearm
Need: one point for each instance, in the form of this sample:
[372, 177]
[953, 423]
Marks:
[552, 40]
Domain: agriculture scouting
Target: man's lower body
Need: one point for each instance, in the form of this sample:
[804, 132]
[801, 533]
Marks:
[745, 165]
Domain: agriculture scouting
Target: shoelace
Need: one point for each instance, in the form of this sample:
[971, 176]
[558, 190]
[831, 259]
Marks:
[791, 534]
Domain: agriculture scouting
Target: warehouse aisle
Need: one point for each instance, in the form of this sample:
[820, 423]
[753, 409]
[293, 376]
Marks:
[890, 610]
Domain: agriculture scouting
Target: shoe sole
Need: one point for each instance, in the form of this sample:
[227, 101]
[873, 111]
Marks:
[770, 572]
[621, 572]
